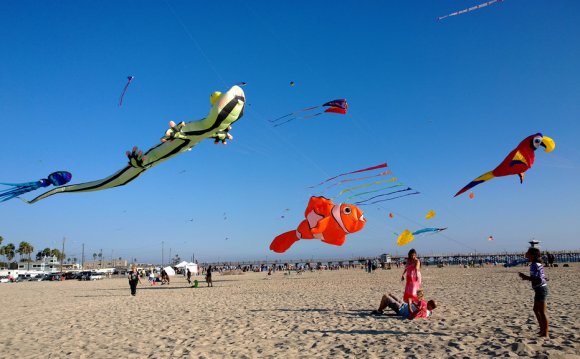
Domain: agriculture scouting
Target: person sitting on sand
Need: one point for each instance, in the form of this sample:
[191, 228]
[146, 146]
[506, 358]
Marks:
[410, 310]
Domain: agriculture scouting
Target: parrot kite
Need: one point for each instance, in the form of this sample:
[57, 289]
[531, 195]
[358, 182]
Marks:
[517, 161]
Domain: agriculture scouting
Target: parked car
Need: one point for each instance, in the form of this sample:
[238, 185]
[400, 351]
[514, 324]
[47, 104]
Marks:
[84, 275]
[53, 276]
[4, 280]
[95, 276]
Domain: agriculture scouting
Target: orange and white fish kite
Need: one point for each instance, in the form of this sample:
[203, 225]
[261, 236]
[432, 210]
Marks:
[326, 221]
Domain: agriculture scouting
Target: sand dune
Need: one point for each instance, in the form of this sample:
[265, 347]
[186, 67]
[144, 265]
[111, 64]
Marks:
[482, 313]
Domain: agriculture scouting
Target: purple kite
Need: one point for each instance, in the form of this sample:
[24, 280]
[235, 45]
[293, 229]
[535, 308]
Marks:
[129, 79]
[56, 179]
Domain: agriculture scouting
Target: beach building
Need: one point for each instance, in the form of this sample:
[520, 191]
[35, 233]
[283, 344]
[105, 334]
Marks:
[45, 265]
[101, 264]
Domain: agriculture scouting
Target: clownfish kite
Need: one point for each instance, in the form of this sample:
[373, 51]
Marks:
[326, 221]
[517, 161]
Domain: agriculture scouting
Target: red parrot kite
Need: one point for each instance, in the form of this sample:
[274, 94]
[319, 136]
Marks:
[517, 162]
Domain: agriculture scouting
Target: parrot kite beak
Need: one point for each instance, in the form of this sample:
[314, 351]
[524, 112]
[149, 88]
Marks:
[548, 144]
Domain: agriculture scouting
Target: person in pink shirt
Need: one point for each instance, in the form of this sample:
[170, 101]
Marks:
[413, 271]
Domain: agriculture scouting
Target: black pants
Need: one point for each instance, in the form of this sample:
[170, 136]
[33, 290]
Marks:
[133, 284]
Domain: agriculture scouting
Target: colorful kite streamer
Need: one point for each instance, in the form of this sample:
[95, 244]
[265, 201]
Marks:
[477, 7]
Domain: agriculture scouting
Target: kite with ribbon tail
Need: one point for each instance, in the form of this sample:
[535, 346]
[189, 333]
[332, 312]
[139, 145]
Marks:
[382, 165]
[226, 109]
[55, 179]
[364, 202]
[476, 7]
[339, 106]
[129, 80]
[407, 236]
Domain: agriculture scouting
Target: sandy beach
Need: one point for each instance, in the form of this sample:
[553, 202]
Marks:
[482, 312]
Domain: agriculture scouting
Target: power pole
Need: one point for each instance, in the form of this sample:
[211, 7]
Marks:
[83, 257]
[162, 243]
[62, 254]
[101, 262]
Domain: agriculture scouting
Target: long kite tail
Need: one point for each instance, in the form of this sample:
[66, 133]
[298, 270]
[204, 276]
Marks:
[294, 113]
[18, 189]
[383, 165]
[476, 7]
[484, 177]
[129, 80]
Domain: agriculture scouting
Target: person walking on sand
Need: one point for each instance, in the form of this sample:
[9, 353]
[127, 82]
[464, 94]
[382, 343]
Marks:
[413, 271]
[540, 287]
[188, 276]
[134, 279]
[208, 277]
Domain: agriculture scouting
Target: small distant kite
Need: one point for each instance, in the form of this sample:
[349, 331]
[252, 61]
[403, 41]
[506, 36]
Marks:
[471, 195]
[339, 106]
[517, 161]
[326, 221]
[129, 80]
[56, 179]
[477, 7]
[292, 83]
[490, 238]
[407, 237]
[430, 214]
[391, 215]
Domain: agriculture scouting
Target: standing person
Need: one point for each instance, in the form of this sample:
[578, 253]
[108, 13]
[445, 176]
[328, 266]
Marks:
[208, 277]
[540, 287]
[134, 279]
[188, 276]
[413, 271]
[152, 277]
[550, 259]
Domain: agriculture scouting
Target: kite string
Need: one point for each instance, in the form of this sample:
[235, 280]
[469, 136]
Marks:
[196, 43]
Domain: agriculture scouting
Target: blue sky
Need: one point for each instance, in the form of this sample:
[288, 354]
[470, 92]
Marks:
[440, 102]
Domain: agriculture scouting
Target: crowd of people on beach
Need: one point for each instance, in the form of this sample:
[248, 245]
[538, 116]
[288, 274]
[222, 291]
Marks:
[413, 303]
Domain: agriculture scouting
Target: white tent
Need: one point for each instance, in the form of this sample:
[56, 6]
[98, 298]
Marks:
[182, 264]
[192, 268]
[169, 271]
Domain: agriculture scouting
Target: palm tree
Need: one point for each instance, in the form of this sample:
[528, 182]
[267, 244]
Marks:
[1, 239]
[94, 257]
[25, 248]
[1, 251]
[9, 251]
[100, 255]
